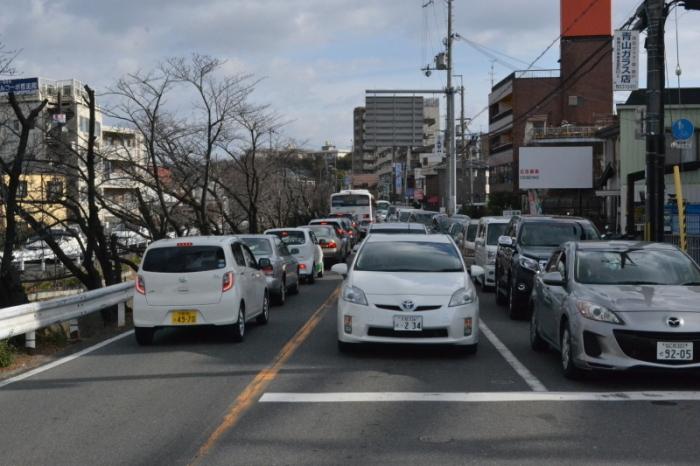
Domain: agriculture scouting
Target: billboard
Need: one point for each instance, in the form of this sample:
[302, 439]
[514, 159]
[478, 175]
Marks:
[626, 61]
[393, 121]
[19, 86]
[556, 167]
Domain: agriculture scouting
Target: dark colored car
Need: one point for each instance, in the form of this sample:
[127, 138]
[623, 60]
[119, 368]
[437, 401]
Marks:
[525, 248]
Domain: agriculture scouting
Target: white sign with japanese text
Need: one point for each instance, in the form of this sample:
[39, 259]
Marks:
[556, 167]
[626, 64]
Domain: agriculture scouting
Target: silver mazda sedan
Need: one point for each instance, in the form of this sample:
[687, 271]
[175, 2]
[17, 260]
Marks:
[616, 305]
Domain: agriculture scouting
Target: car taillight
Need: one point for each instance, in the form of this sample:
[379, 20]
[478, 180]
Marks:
[340, 232]
[140, 285]
[267, 269]
[329, 245]
[227, 282]
[302, 266]
[366, 215]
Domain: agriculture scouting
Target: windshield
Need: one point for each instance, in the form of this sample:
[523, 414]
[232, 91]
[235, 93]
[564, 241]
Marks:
[404, 256]
[350, 200]
[404, 215]
[471, 233]
[424, 218]
[494, 231]
[636, 267]
[552, 234]
[258, 246]
[322, 231]
[184, 259]
[290, 237]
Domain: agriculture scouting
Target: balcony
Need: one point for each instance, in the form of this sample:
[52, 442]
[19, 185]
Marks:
[501, 115]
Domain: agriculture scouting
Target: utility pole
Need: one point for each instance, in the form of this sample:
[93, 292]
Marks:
[463, 125]
[449, 131]
[655, 137]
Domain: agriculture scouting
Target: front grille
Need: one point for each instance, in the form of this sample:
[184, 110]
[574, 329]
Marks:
[391, 333]
[391, 307]
[642, 345]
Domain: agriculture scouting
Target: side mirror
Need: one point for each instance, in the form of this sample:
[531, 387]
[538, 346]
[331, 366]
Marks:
[477, 271]
[553, 279]
[294, 251]
[505, 241]
[264, 262]
[340, 269]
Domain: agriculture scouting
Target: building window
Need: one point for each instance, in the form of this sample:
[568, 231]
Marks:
[22, 190]
[54, 190]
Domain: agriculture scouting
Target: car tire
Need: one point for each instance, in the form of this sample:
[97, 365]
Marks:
[344, 347]
[294, 289]
[500, 299]
[281, 296]
[264, 316]
[144, 335]
[312, 277]
[514, 311]
[566, 352]
[237, 330]
[536, 341]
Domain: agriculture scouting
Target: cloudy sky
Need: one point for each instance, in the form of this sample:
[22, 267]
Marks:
[316, 56]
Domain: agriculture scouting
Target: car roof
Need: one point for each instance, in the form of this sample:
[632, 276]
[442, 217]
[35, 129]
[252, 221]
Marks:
[495, 219]
[550, 218]
[617, 245]
[396, 225]
[302, 229]
[195, 240]
[252, 236]
[329, 219]
[411, 238]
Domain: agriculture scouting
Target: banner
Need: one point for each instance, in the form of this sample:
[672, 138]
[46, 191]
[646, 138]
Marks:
[626, 61]
[19, 86]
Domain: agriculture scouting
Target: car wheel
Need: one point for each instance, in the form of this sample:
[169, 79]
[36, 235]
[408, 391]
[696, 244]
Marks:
[344, 347]
[281, 296]
[536, 341]
[514, 310]
[237, 330]
[567, 359]
[312, 278]
[144, 335]
[500, 299]
[264, 317]
[294, 289]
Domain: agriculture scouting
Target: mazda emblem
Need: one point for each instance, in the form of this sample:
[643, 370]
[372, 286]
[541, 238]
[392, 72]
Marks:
[674, 322]
[408, 305]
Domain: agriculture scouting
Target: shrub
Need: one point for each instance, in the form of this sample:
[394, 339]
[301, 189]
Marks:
[7, 354]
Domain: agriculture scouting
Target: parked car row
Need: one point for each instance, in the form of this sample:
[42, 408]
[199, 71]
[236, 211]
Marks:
[602, 305]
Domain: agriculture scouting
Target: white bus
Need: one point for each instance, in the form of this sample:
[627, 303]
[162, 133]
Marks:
[359, 202]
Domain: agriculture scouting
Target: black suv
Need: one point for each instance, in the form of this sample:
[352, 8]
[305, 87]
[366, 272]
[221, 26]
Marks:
[526, 246]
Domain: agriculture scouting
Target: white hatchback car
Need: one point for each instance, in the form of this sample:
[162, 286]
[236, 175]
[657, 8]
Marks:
[407, 289]
[202, 280]
[304, 246]
[485, 247]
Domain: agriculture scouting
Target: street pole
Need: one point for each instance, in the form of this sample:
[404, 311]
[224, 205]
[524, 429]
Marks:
[655, 138]
[449, 131]
[464, 146]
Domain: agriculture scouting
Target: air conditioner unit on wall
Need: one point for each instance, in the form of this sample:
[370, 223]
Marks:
[574, 101]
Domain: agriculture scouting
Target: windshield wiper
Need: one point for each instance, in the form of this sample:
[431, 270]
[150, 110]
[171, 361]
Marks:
[691, 284]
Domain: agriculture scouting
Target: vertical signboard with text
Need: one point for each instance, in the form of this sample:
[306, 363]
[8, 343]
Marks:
[626, 65]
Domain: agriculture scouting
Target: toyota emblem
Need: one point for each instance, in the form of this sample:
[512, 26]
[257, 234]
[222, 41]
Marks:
[408, 305]
[674, 322]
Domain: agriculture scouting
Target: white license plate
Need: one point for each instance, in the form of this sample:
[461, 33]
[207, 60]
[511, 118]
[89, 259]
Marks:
[408, 323]
[674, 351]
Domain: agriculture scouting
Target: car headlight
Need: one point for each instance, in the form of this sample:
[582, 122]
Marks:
[462, 296]
[595, 312]
[353, 294]
[529, 264]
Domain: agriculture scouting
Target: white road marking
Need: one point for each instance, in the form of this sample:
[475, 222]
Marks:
[65, 360]
[475, 397]
[510, 358]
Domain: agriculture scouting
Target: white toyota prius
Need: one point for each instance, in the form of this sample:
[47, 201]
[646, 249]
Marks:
[407, 289]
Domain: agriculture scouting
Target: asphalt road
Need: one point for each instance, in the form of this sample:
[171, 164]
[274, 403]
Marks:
[287, 396]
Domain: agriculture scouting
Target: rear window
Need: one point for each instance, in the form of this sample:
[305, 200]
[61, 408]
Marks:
[397, 231]
[185, 259]
[290, 237]
[471, 232]
[322, 231]
[258, 246]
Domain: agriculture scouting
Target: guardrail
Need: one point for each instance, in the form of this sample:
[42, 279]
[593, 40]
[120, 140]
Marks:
[28, 318]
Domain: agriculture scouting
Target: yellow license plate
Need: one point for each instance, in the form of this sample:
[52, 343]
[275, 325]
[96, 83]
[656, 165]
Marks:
[184, 317]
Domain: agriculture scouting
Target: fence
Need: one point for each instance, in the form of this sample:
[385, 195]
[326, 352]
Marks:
[28, 318]
[693, 245]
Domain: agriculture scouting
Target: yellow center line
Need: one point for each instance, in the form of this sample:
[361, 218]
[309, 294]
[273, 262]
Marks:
[256, 388]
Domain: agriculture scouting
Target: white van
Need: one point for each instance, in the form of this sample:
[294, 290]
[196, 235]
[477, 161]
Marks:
[485, 246]
[200, 280]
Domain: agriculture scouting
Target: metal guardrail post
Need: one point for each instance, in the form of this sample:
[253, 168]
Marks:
[121, 314]
[30, 340]
[73, 329]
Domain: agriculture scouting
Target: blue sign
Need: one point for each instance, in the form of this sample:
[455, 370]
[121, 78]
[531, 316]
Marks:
[19, 86]
[683, 129]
